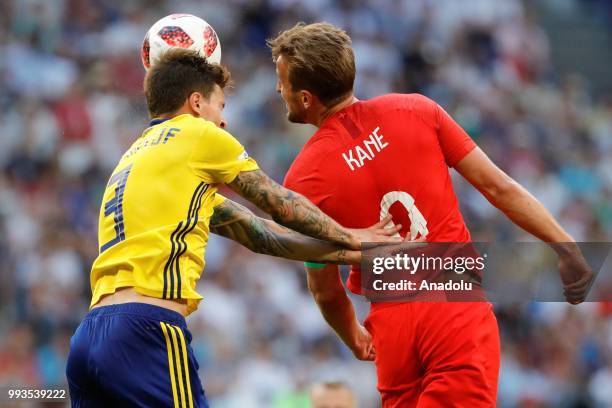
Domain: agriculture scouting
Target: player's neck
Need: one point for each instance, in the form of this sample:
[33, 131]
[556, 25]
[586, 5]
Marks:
[327, 112]
[181, 111]
[185, 109]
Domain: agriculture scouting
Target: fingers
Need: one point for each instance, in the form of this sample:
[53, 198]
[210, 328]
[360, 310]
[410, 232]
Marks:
[577, 292]
[579, 286]
[366, 354]
[390, 239]
[575, 297]
[372, 353]
[383, 228]
[382, 223]
[574, 300]
[390, 231]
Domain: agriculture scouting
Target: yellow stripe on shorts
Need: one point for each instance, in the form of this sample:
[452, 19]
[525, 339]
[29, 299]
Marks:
[179, 364]
[186, 365]
[165, 329]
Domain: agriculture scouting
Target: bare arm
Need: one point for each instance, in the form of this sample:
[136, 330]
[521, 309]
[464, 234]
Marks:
[236, 222]
[337, 309]
[528, 213]
[510, 197]
[296, 212]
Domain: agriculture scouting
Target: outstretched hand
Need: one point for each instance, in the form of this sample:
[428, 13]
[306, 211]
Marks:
[382, 231]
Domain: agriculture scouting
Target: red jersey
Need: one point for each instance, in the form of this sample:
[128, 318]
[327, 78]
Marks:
[389, 154]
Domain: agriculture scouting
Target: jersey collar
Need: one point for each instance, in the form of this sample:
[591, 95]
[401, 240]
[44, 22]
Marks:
[157, 121]
[341, 112]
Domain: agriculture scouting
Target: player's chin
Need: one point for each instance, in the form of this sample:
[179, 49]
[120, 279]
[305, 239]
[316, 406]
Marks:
[294, 117]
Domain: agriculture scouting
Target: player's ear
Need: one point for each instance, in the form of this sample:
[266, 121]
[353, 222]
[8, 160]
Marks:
[195, 102]
[306, 98]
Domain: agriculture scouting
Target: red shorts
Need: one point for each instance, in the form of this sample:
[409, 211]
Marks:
[435, 354]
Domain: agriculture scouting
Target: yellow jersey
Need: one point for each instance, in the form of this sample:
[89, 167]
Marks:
[153, 225]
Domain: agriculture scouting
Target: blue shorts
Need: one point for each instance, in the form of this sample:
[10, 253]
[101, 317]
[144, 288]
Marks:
[134, 355]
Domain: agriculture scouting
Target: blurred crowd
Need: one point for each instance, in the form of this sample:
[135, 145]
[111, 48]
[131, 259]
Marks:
[71, 102]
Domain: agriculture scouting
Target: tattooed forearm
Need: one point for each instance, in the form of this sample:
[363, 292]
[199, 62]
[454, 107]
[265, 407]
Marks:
[289, 208]
[237, 223]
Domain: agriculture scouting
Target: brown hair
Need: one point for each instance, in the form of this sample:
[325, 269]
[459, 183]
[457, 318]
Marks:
[320, 59]
[176, 75]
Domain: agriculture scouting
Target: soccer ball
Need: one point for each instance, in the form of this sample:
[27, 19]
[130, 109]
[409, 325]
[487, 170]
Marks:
[180, 30]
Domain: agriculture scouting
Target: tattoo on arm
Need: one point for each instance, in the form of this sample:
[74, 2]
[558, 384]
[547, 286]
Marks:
[288, 208]
[236, 222]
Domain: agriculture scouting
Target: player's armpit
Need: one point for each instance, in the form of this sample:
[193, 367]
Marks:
[290, 209]
[236, 222]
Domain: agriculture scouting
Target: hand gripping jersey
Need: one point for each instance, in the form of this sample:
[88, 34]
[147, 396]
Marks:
[153, 225]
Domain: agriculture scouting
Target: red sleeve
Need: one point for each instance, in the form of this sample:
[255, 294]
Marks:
[454, 141]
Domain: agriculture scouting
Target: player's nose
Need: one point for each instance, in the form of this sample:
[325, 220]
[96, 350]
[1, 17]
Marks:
[223, 124]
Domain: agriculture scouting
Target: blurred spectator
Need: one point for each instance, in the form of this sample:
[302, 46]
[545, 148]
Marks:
[332, 395]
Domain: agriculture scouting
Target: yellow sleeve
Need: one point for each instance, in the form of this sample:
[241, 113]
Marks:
[218, 157]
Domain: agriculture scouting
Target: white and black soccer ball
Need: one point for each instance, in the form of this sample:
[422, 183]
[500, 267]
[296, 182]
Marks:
[184, 31]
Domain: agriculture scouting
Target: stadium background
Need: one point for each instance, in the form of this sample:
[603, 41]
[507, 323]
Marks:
[527, 80]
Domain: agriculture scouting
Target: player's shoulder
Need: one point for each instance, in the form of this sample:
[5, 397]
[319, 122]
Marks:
[322, 142]
[412, 101]
[313, 151]
[412, 105]
[312, 155]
